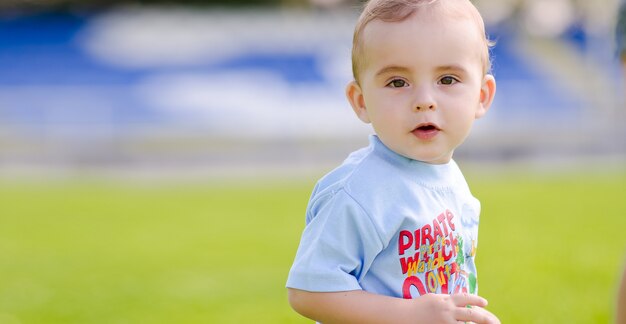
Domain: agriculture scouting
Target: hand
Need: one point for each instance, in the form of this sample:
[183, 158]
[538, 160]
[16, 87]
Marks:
[457, 308]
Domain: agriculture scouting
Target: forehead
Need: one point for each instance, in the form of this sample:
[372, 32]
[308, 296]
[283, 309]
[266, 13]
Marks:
[426, 36]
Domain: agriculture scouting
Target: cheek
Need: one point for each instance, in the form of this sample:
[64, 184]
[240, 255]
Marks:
[460, 111]
[382, 103]
[463, 99]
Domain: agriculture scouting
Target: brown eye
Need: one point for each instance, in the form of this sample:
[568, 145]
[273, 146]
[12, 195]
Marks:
[447, 80]
[397, 83]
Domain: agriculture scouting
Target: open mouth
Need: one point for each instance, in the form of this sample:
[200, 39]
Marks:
[426, 131]
[427, 128]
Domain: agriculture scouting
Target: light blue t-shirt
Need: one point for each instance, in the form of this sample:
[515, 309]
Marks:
[390, 225]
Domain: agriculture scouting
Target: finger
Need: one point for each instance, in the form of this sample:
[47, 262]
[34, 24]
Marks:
[476, 315]
[465, 299]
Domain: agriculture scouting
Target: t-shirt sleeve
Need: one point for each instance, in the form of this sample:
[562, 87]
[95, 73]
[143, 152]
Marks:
[337, 247]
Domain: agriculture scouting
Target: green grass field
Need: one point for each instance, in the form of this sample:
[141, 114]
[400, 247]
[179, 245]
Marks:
[88, 251]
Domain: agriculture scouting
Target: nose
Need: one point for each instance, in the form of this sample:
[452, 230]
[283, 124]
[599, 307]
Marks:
[421, 107]
[423, 99]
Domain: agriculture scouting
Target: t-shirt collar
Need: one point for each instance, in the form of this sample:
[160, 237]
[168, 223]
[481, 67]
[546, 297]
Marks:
[432, 174]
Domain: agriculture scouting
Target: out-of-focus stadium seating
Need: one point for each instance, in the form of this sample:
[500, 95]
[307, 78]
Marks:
[118, 86]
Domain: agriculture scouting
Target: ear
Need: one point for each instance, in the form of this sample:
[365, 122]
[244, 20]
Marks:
[355, 97]
[487, 92]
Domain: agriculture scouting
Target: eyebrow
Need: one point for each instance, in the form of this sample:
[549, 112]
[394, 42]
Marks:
[392, 68]
[453, 67]
[396, 68]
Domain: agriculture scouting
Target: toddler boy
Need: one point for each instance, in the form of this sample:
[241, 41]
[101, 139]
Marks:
[391, 234]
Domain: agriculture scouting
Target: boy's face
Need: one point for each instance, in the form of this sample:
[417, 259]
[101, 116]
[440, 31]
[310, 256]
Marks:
[422, 84]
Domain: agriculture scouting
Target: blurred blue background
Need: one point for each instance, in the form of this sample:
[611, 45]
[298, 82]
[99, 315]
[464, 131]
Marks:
[243, 100]
[209, 87]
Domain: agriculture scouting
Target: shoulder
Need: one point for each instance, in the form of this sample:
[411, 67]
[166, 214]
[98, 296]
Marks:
[462, 189]
[358, 167]
[371, 184]
[363, 171]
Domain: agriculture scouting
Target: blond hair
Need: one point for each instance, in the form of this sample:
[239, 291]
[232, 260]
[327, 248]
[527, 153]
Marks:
[399, 10]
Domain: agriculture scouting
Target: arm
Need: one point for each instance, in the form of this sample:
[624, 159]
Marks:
[359, 306]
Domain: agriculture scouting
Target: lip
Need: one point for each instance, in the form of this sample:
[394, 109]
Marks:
[426, 131]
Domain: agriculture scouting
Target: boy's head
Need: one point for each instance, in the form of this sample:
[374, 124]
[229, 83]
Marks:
[399, 10]
[421, 74]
